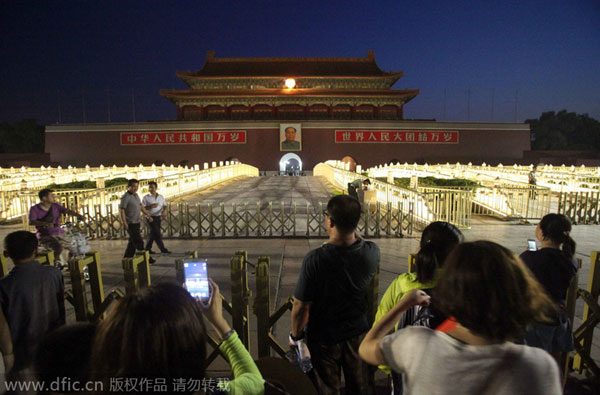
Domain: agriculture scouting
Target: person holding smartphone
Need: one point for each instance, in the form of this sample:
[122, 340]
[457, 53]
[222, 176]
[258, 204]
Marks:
[160, 336]
[554, 266]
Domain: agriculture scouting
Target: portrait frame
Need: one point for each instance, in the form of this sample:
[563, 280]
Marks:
[283, 145]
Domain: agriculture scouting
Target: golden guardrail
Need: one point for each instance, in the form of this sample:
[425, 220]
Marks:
[583, 335]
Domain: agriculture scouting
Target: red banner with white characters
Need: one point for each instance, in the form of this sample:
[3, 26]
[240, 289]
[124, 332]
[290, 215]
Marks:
[397, 136]
[187, 137]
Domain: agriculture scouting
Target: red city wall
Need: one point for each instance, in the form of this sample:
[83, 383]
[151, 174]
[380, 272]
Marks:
[79, 148]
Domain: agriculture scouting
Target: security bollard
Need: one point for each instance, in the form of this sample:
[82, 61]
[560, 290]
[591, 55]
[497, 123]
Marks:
[262, 307]
[3, 265]
[412, 263]
[591, 317]
[46, 258]
[264, 320]
[240, 293]
[136, 271]
[77, 296]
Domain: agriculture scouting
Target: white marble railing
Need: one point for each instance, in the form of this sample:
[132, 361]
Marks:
[408, 200]
[16, 204]
[557, 178]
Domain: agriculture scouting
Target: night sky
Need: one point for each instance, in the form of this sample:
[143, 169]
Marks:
[99, 52]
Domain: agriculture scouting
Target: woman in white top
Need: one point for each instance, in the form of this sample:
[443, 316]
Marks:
[490, 297]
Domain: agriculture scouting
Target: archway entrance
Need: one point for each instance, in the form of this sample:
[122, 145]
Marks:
[290, 164]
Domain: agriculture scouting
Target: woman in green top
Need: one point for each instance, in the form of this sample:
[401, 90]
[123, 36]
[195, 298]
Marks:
[155, 341]
[437, 241]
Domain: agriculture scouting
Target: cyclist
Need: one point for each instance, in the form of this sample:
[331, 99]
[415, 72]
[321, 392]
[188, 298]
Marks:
[45, 216]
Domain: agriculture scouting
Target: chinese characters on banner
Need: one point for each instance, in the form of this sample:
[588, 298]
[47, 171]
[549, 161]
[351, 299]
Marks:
[396, 136]
[189, 137]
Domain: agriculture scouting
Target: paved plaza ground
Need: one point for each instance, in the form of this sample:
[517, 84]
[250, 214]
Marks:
[286, 254]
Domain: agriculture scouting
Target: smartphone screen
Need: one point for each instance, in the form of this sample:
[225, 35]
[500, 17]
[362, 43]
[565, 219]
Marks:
[532, 245]
[196, 279]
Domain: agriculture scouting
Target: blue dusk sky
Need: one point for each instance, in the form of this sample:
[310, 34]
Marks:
[472, 60]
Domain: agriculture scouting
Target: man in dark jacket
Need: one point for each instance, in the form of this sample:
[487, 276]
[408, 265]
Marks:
[31, 297]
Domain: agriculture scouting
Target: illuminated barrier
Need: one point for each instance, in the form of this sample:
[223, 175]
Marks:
[30, 178]
[16, 204]
[503, 192]
[556, 178]
[580, 207]
[406, 200]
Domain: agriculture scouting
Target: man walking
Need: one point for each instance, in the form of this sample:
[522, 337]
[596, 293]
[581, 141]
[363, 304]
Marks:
[330, 300]
[157, 208]
[130, 209]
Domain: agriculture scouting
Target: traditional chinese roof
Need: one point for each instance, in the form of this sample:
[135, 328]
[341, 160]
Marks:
[289, 67]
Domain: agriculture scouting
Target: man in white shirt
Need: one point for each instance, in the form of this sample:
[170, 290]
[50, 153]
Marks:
[157, 208]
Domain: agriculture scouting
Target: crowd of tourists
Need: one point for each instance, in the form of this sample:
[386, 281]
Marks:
[472, 318]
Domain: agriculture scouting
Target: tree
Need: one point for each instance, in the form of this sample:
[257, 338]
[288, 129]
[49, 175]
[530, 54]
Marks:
[565, 131]
[25, 136]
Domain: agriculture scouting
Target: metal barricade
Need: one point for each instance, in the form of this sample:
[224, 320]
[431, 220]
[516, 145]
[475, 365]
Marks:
[240, 295]
[580, 207]
[451, 205]
[77, 296]
[265, 320]
[583, 336]
[136, 271]
[44, 259]
[3, 265]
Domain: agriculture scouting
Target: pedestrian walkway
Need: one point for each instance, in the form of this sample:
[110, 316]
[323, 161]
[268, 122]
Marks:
[299, 190]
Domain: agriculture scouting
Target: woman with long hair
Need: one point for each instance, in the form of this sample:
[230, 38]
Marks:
[437, 240]
[554, 266]
[490, 297]
[158, 336]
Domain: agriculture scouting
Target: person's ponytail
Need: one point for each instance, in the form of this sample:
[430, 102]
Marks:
[568, 246]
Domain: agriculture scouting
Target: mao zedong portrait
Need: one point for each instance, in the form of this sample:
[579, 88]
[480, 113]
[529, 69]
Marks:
[290, 143]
